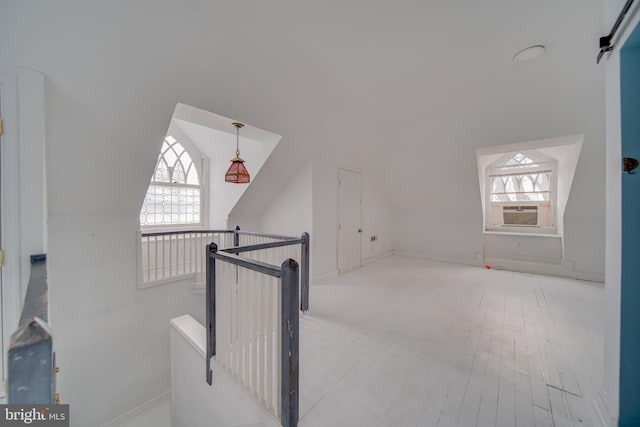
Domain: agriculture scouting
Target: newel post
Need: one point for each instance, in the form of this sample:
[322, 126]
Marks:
[211, 308]
[236, 237]
[304, 273]
[290, 344]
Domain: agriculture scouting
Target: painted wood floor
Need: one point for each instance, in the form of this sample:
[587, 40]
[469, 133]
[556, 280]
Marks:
[409, 342]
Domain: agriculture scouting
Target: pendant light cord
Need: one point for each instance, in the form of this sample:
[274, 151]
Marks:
[237, 141]
[238, 126]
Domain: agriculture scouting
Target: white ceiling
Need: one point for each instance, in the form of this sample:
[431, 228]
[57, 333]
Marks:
[333, 76]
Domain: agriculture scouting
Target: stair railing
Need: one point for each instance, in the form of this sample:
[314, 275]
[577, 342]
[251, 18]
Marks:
[252, 316]
[31, 360]
[169, 256]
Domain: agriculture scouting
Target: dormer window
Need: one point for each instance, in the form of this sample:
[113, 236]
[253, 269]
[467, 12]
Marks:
[175, 193]
[521, 192]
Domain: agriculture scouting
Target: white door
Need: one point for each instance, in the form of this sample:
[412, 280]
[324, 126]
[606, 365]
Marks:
[349, 227]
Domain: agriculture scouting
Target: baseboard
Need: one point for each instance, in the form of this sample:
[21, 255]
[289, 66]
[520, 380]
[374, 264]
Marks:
[546, 269]
[600, 407]
[565, 269]
[141, 410]
[198, 288]
[429, 257]
[318, 278]
[377, 257]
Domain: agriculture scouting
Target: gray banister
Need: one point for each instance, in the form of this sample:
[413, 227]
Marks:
[304, 273]
[290, 343]
[250, 264]
[31, 359]
[36, 300]
[236, 236]
[211, 309]
[267, 235]
[236, 231]
[256, 247]
[174, 232]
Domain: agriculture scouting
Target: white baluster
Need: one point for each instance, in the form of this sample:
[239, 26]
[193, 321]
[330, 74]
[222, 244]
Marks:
[148, 258]
[259, 352]
[269, 337]
[241, 323]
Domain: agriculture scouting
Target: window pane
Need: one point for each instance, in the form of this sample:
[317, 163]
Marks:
[168, 204]
[169, 200]
[170, 156]
[521, 188]
[185, 158]
[178, 175]
[542, 184]
[192, 176]
[162, 172]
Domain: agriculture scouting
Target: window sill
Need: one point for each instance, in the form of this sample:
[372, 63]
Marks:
[169, 228]
[512, 231]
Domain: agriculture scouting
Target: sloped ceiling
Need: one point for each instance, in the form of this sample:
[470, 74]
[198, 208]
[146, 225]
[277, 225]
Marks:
[219, 145]
[366, 79]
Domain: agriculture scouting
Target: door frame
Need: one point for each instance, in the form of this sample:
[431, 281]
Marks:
[629, 412]
[10, 289]
[338, 234]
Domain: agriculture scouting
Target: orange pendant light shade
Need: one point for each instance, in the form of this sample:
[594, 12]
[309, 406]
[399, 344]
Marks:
[237, 172]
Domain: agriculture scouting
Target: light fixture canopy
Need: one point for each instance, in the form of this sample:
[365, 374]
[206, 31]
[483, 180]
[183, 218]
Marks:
[237, 173]
[529, 53]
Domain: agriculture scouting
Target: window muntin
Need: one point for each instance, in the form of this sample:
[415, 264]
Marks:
[523, 187]
[174, 196]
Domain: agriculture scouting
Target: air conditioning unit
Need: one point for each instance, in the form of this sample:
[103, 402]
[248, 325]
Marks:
[520, 216]
[529, 215]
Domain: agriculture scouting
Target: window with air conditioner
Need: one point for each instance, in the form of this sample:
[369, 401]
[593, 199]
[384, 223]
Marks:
[521, 193]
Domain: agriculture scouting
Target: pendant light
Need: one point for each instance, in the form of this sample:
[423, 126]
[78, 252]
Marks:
[237, 173]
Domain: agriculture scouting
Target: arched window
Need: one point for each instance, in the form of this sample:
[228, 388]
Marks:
[174, 196]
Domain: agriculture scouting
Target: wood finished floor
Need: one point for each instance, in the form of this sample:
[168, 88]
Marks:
[409, 342]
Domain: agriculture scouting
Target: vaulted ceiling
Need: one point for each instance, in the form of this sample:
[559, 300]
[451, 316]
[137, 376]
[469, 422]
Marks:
[389, 84]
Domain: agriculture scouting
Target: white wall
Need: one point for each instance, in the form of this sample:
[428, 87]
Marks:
[290, 213]
[611, 62]
[376, 219]
[196, 404]
[324, 242]
[31, 127]
[436, 207]
[111, 339]
[308, 202]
